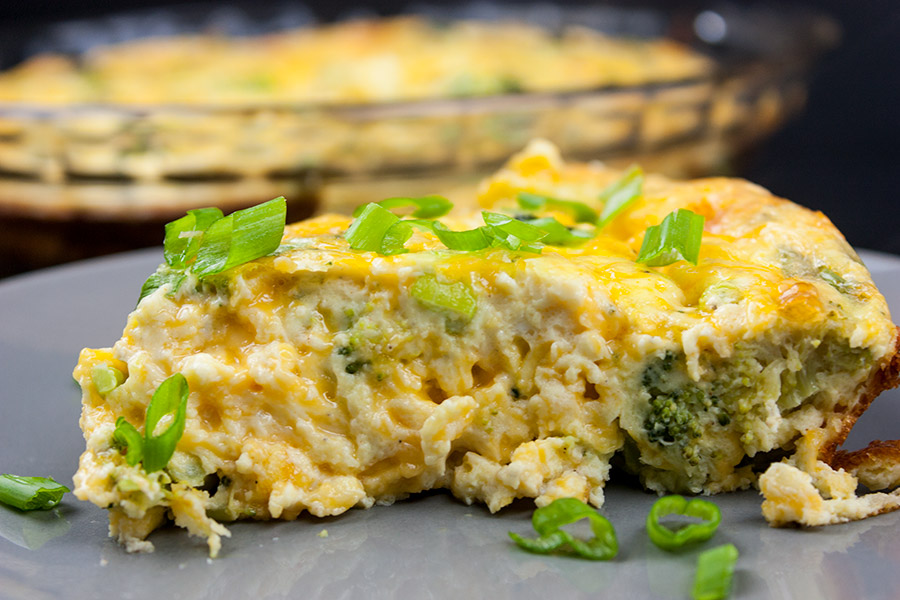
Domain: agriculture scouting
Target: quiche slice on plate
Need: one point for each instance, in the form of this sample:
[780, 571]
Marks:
[325, 376]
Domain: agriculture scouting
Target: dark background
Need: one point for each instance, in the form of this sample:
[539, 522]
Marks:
[840, 156]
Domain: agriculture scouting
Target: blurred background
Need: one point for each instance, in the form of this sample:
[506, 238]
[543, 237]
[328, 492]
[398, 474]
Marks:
[805, 104]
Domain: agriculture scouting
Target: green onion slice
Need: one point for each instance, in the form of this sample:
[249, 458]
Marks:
[183, 235]
[456, 297]
[548, 520]
[558, 234]
[468, 240]
[368, 229]
[163, 276]
[835, 280]
[106, 378]
[678, 237]
[511, 226]
[395, 238]
[512, 234]
[127, 438]
[427, 207]
[242, 236]
[377, 229]
[671, 539]
[620, 194]
[170, 398]
[581, 212]
[30, 493]
[715, 570]
[204, 242]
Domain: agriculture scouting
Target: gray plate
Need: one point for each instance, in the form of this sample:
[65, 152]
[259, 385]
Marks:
[431, 546]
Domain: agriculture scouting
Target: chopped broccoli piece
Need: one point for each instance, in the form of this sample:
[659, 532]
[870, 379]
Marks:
[677, 405]
[670, 421]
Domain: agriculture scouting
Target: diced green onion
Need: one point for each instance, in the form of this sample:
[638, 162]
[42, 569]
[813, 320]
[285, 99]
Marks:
[163, 276]
[468, 240]
[715, 570]
[835, 280]
[456, 297]
[30, 493]
[511, 226]
[376, 229]
[511, 233]
[204, 242]
[127, 437]
[242, 236]
[395, 238]
[560, 235]
[169, 398]
[183, 235]
[106, 378]
[692, 533]
[368, 230]
[548, 521]
[427, 207]
[678, 237]
[620, 194]
[581, 212]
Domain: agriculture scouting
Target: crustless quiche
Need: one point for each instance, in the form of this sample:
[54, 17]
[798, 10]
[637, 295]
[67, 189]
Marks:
[323, 377]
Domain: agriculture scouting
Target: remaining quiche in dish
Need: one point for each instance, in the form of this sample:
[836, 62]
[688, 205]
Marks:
[360, 61]
[363, 96]
[363, 361]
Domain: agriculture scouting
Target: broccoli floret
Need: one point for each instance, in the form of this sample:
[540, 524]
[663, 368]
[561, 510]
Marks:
[676, 405]
[671, 421]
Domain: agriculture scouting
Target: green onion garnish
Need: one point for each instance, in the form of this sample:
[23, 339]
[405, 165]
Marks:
[715, 569]
[620, 194]
[155, 450]
[427, 207]
[369, 229]
[677, 238]
[395, 238]
[673, 539]
[204, 242]
[512, 234]
[455, 297]
[558, 234]
[30, 493]
[581, 212]
[164, 275]
[106, 378]
[377, 229]
[170, 398]
[468, 240]
[127, 438]
[548, 521]
[242, 236]
[183, 235]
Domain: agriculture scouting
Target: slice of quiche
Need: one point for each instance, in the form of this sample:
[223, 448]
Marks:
[323, 377]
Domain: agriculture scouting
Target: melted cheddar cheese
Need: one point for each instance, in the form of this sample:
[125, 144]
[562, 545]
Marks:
[318, 382]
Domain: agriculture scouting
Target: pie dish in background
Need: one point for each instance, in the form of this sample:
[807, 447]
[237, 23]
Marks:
[78, 166]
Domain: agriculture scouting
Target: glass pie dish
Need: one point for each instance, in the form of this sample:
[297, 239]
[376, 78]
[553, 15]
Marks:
[120, 163]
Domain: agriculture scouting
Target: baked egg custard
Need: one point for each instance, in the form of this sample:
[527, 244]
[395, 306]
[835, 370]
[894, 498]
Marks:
[323, 377]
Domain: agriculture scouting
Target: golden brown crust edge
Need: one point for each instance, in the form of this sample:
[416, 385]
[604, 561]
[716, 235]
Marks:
[878, 454]
[877, 466]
